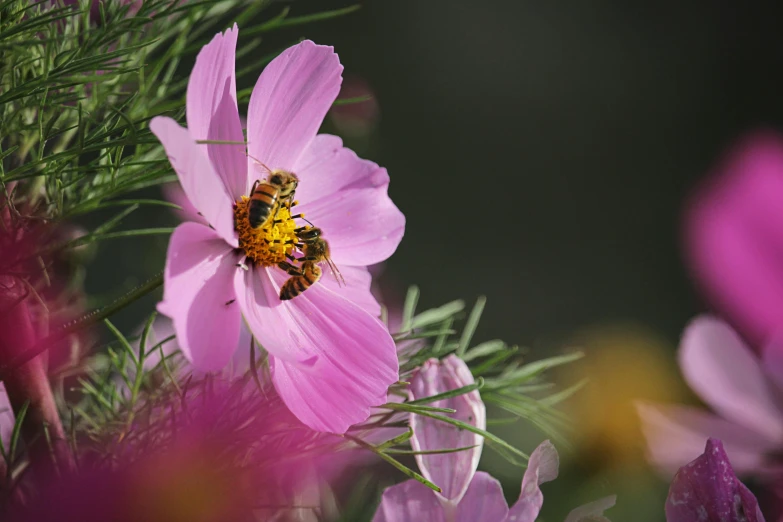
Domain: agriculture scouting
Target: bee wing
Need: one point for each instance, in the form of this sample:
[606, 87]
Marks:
[258, 163]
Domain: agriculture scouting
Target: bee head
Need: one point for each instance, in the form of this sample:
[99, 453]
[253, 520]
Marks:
[310, 234]
[317, 248]
[285, 181]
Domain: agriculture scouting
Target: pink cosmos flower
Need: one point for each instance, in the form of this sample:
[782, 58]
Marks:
[467, 496]
[733, 237]
[330, 357]
[707, 489]
[744, 392]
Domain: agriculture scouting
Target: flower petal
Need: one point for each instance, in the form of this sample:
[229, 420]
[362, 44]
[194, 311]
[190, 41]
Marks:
[484, 500]
[331, 361]
[410, 501]
[724, 372]
[707, 489]
[542, 467]
[174, 193]
[201, 183]
[198, 294]
[357, 287]
[452, 472]
[7, 419]
[772, 363]
[348, 198]
[733, 233]
[592, 511]
[289, 102]
[676, 434]
[212, 110]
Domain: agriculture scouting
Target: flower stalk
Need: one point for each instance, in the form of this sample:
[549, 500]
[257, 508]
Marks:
[28, 385]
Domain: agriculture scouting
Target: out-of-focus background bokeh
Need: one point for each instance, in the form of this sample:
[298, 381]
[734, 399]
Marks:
[542, 153]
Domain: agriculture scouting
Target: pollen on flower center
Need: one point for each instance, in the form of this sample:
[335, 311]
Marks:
[266, 245]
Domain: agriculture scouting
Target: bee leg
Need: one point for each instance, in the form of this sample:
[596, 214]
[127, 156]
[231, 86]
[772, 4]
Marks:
[289, 268]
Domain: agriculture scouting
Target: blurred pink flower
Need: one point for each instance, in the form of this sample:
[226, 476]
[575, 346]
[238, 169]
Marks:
[7, 418]
[467, 495]
[733, 237]
[331, 358]
[707, 489]
[745, 393]
[360, 117]
[221, 452]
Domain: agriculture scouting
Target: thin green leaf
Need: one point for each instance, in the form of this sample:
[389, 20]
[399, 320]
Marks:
[396, 441]
[437, 315]
[403, 406]
[409, 308]
[471, 325]
[281, 21]
[533, 369]
[451, 393]
[495, 360]
[428, 452]
[473, 429]
[350, 101]
[394, 462]
[16, 432]
[484, 349]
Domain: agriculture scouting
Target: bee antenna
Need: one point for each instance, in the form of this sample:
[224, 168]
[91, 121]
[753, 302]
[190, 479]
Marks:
[336, 273]
[308, 221]
[260, 163]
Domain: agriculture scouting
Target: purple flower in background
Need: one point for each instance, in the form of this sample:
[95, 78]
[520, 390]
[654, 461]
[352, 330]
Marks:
[733, 237]
[744, 392]
[467, 496]
[331, 359]
[707, 490]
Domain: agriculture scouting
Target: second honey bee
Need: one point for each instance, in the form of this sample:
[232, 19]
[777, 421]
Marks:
[315, 250]
[267, 196]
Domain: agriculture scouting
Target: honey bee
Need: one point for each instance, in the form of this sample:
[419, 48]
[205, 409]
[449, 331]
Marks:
[315, 250]
[267, 196]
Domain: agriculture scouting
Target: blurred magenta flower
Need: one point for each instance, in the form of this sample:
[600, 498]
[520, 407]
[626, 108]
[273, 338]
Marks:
[220, 452]
[7, 418]
[743, 391]
[467, 495]
[330, 357]
[733, 237]
[708, 490]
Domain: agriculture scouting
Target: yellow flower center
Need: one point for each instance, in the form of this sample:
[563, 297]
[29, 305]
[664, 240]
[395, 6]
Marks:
[266, 245]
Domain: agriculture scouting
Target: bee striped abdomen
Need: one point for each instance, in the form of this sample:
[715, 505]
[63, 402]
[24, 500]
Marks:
[262, 202]
[296, 285]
